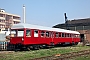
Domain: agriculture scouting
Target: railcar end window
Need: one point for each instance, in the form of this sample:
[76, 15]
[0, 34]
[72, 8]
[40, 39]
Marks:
[13, 33]
[20, 32]
[78, 36]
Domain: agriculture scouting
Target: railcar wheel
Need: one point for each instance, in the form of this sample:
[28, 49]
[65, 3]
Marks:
[76, 43]
[41, 47]
[15, 50]
[28, 48]
[73, 43]
[36, 47]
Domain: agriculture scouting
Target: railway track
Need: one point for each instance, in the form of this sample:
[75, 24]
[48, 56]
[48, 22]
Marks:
[6, 52]
[66, 56]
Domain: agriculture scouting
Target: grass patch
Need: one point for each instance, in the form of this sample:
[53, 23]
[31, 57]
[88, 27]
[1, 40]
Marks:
[27, 55]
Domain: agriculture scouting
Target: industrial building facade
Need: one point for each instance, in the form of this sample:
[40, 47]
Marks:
[80, 25]
[7, 19]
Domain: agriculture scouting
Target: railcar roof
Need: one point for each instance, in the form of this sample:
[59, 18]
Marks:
[25, 25]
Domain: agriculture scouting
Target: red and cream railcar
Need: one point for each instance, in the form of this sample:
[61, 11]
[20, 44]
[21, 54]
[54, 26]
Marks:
[33, 36]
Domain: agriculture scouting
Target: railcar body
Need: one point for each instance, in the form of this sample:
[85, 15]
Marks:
[32, 36]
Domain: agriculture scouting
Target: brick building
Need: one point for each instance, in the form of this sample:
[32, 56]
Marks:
[7, 19]
[81, 25]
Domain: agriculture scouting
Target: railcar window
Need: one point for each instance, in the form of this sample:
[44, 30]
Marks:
[63, 34]
[67, 35]
[20, 32]
[42, 33]
[28, 33]
[51, 34]
[78, 36]
[57, 35]
[47, 34]
[13, 33]
[35, 33]
[73, 35]
[70, 35]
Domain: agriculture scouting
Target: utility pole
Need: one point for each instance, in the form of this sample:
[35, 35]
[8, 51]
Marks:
[66, 21]
[24, 14]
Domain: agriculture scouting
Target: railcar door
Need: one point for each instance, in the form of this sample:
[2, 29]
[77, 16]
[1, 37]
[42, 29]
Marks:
[42, 39]
[52, 35]
[28, 35]
[52, 38]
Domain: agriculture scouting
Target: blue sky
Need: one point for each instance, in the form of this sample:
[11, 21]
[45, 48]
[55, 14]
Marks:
[48, 12]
